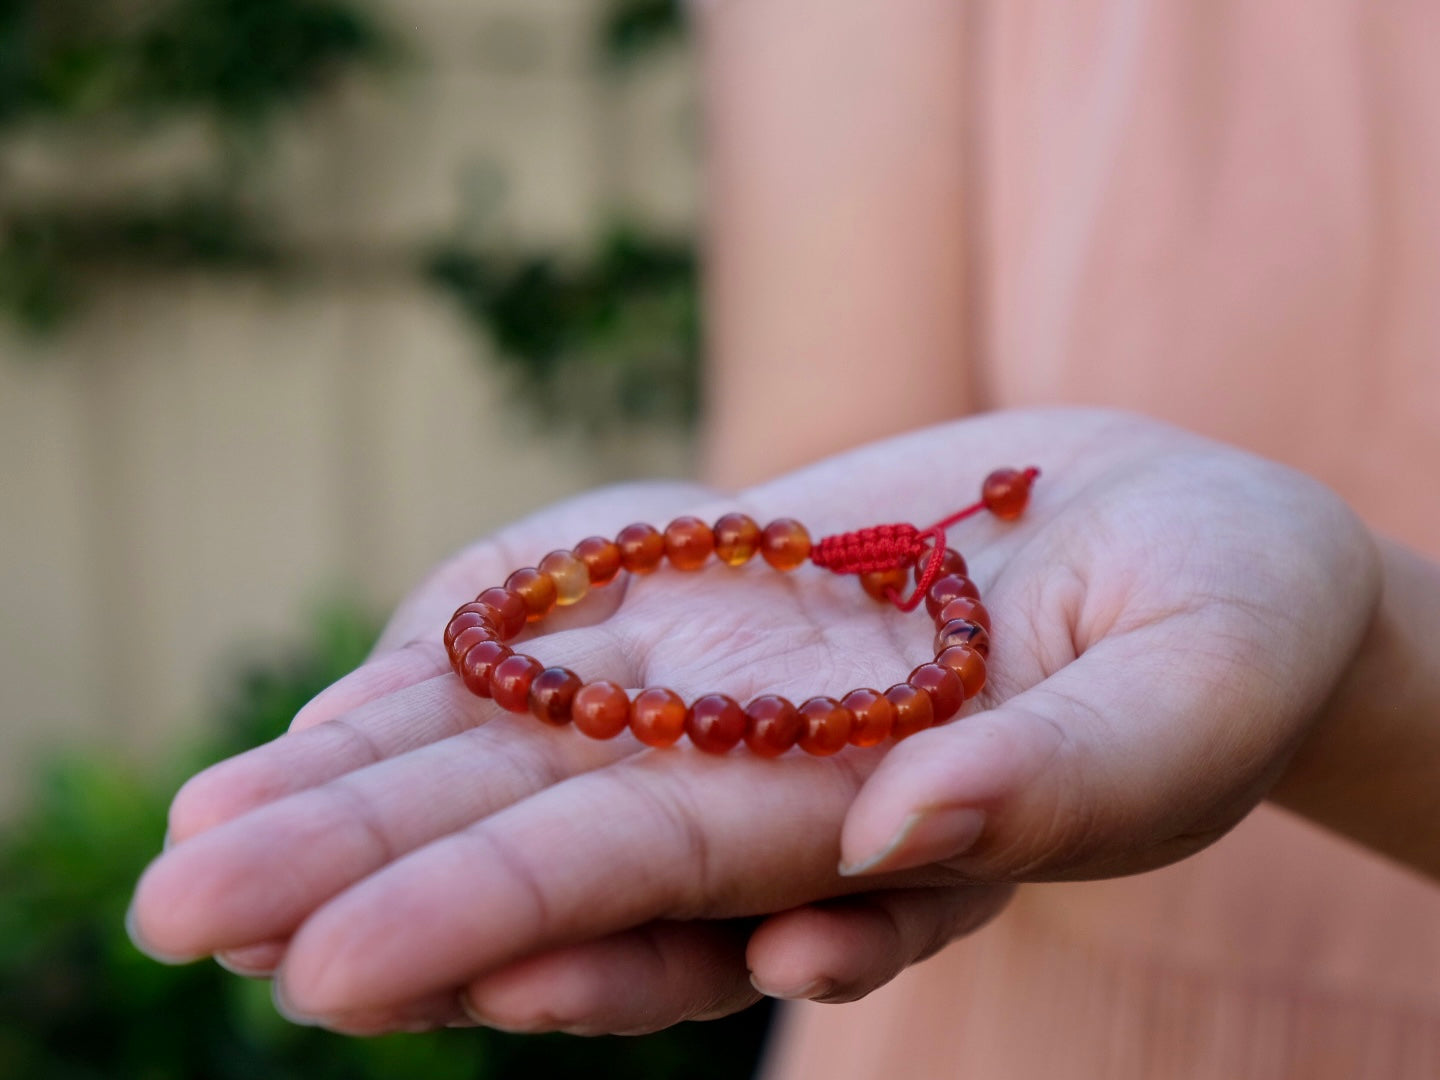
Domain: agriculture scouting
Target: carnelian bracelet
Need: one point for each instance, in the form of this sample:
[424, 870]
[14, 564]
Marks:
[882, 555]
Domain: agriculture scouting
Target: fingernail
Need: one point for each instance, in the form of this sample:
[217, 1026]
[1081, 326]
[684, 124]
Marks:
[815, 988]
[288, 1011]
[480, 1017]
[924, 837]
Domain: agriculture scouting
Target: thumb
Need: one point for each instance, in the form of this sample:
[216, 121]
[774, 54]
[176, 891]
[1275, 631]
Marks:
[1124, 760]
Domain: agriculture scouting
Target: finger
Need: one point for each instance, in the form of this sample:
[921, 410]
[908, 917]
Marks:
[381, 729]
[591, 856]
[414, 662]
[630, 983]
[438, 1010]
[257, 876]
[1116, 764]
[841, 950]
[253, 961]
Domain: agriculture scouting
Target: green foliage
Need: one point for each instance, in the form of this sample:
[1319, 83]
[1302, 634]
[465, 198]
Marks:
[77, 1002]
[634, 28]
[613, 337]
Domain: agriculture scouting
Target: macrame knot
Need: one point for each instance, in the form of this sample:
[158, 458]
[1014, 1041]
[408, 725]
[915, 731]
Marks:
[879, 547]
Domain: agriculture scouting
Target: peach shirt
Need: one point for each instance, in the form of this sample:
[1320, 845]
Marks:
[1227, 215]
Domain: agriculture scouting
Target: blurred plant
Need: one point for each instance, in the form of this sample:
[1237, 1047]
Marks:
[77, 1002]
[634, 28]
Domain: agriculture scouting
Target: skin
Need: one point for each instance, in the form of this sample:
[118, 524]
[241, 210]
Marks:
[1175, 624]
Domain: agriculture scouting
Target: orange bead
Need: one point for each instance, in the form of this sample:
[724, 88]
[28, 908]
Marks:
[509, 610]
[641, 548]
[913, 709]
[737, 539]
[944, 687]
[601, 558]
[715, 723]
[952, 562]
[657, 716]
[601, 709]
[1005, 493]
[551, 694]
[772, 725]
[876, 582]
[966, 663]
[572, 579]
[826, 726]
[963, 632]
[467, 620]
[536, 589]
[473, 605]
[466, 640]
[478, 665]
[874, 716]
[950, 587]
[689, 543]
[785, 544]
[510, 681]
[964, 607]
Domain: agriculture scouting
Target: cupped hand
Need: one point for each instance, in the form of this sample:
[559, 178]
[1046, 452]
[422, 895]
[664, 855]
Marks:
[1169, 617]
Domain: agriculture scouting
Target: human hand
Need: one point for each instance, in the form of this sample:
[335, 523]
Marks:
[1169, 617]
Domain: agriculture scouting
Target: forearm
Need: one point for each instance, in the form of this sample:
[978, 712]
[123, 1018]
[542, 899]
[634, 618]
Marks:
[836, 242]
[1371, 768]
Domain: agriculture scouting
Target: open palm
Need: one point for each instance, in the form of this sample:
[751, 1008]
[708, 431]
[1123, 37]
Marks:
[1169, 616]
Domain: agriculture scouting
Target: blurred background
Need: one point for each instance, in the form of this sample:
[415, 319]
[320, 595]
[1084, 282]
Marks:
[296, 296]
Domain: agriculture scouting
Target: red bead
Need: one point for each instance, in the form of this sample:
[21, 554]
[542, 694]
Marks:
[964, 607]
[963, 632]
[772, 725]
[483, 609]
[466, 620]
[951, 562]
[946, 692]
[466, 640]
[510, 681]
[737, 539]
[876, 582]
[950, 587]
[827, 726]
[715, 723]
[601, 709]
[551, 694]
[572, 579]
[874, 716]
[641, 548]
[1005, 493]
[478, 665]
[509, 610]
[785, 544]
[536, 589]
[601, 558]
[966, 663]
[689, 543]
[657, 717]
[913, 709]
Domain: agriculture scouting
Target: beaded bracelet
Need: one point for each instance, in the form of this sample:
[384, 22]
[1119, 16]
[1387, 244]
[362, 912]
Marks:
[883, 556]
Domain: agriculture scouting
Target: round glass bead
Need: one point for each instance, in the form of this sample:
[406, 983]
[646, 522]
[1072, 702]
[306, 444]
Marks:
[874, 716]
[966, 663]
[601, 558]
[963, 632]
[715, 723]
[641, 548]
[876, 582]
[657, 716]
[509, 610]
[785, 544]
[913, 710]
[737, 539]
[572, 579]
[950, 587]
[478, 664]
[825, 726]
[951, 562]
[467, 620]
[537, 589]
[964, 607]
[551, 694]
[1005, 493]
[510, 681]
[944, 687]
[689, 543]
[466, 640]
[772, 725]
[601, 709]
